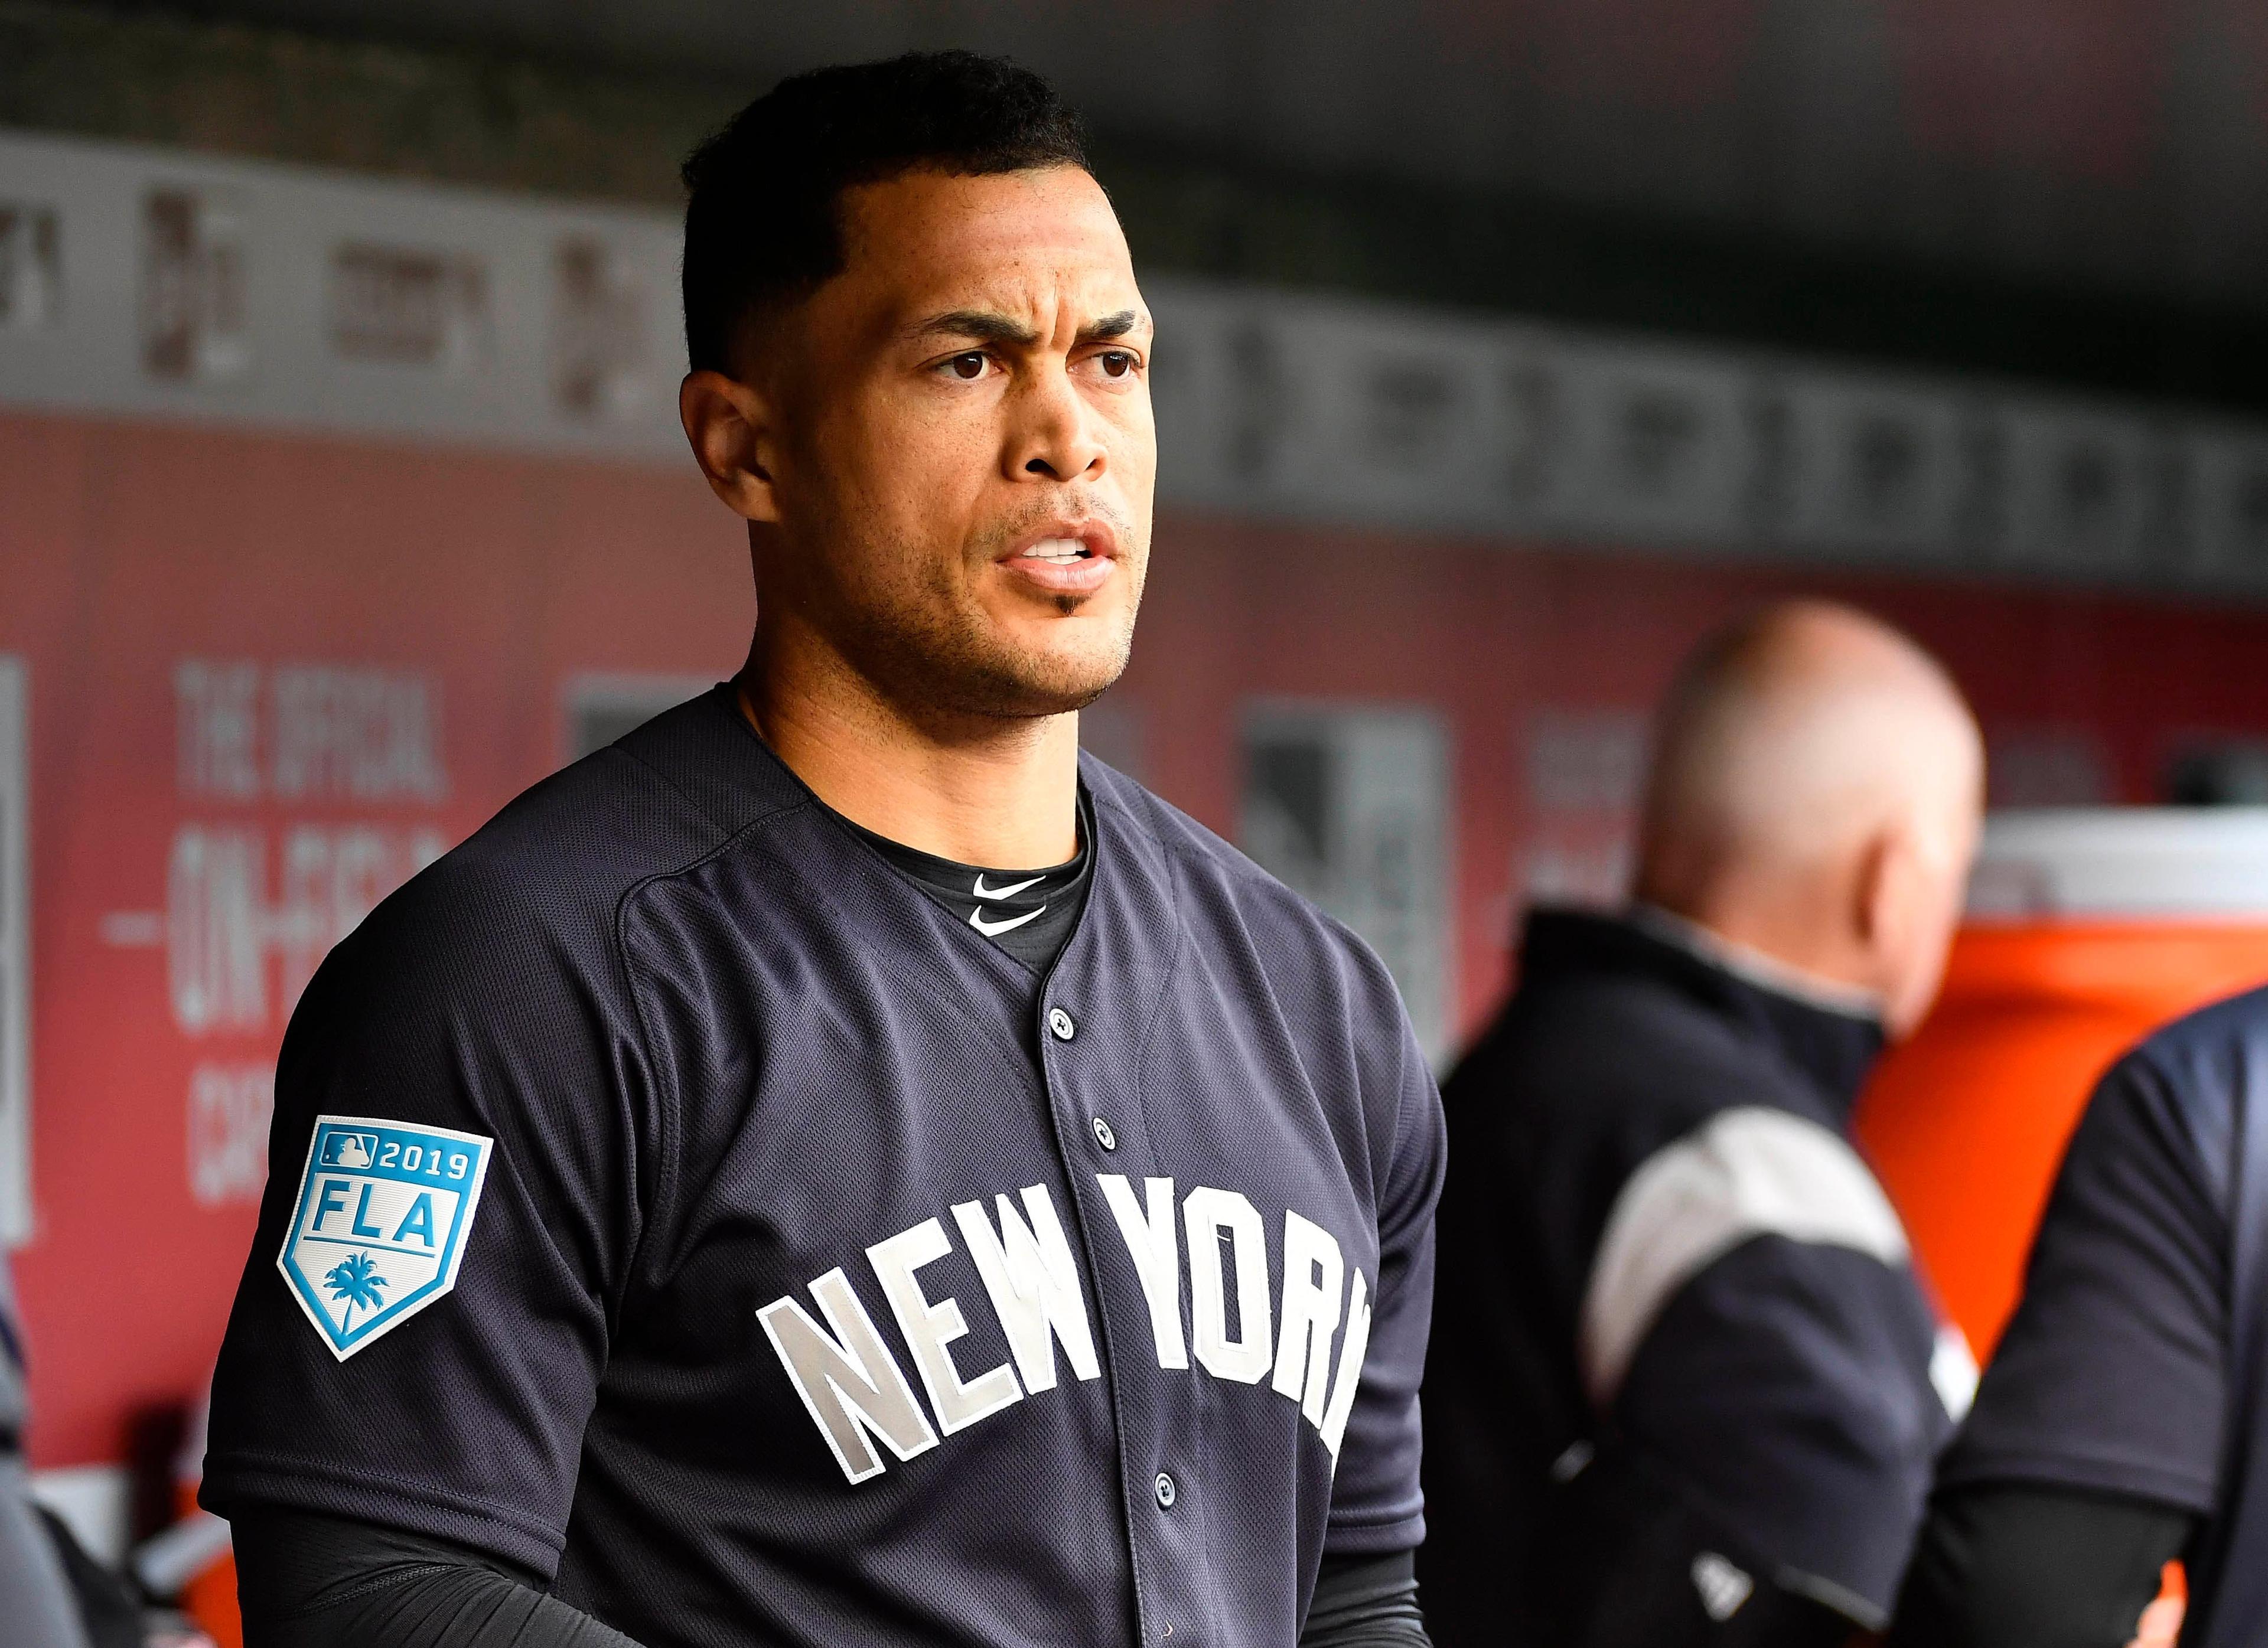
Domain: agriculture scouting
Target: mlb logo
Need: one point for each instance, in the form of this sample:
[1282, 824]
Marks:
[379, 1229]
[349, 1150]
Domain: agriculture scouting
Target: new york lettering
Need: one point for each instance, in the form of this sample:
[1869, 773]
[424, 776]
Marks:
[858, 1395]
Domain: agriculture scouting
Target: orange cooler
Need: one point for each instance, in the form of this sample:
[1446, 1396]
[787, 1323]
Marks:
[2086, 930]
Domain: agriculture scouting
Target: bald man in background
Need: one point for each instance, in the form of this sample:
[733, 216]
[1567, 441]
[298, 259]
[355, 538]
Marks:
[1685, 1384]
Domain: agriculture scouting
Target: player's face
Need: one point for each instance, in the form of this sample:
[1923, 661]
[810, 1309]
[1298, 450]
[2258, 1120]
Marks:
[965, 455]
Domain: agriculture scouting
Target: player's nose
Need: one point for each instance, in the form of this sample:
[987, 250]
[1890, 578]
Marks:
[1053, 434]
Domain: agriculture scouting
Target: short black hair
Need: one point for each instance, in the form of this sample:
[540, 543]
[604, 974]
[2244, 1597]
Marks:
[762, 218]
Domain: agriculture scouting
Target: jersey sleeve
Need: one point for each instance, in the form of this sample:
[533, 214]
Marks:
[1787, 1385]
[2110, 1376]
[467, 1017]
[1376, 1503]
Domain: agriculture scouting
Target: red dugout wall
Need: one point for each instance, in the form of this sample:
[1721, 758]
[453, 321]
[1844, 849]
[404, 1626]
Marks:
[269, 675]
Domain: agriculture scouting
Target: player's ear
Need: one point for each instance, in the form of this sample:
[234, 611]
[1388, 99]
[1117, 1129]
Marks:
[1884, 896]
[730, 426]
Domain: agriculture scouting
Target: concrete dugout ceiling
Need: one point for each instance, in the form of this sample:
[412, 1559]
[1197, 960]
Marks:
[2073, 192]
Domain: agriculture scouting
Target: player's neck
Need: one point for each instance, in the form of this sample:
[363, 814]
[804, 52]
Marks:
[975, 790]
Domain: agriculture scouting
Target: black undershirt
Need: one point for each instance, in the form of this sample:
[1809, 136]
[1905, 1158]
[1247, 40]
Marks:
[310, 1581]
[2021, 1566]
[1029, 912]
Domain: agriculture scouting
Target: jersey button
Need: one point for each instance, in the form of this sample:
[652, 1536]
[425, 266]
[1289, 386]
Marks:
[1059, 1023]
[1103, 1135]
[1167, 1493]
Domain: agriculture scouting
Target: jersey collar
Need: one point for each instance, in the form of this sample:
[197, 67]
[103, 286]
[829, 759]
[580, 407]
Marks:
[1833, 1039]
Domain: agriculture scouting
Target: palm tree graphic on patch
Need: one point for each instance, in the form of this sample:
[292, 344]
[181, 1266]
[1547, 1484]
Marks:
[386, 1209]
[354, 1280]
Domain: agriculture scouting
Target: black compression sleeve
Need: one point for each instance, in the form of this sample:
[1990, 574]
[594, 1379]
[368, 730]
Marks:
[1365, 1603]
[2006, 1566]
[309, 1581]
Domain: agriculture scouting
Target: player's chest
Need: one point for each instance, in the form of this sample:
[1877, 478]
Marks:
[925, 1226]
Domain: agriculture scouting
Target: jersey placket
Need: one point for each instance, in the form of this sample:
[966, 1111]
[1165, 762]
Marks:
[1086, 1067]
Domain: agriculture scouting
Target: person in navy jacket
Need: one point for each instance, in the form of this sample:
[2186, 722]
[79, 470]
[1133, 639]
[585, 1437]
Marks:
[1696, 1385]
[2123, 1421]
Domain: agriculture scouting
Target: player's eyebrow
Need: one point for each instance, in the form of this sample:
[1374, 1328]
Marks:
[1109, 326]
[985, 325]
[982, 326]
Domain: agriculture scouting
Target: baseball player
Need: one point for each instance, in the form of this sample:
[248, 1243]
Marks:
[2124, 1421]
[840, 1167]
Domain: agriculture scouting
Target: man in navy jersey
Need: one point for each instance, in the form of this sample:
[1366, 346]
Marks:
[2124, 1421]
[838, 1166]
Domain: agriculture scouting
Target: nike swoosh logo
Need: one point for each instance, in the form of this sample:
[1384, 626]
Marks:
[983, 892]
[992, 930]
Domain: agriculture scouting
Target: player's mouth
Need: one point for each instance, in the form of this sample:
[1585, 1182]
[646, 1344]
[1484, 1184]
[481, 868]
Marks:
[1064, 558]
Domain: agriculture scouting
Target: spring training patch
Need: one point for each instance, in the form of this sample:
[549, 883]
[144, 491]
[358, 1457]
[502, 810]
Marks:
[383, 1212]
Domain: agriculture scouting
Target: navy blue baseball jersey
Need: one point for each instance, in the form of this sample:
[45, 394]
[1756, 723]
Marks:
[2137, 1362]
[2112, 1374]
[667, 1193]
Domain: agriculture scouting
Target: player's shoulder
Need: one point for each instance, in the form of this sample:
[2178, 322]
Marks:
[2178, 1087]
[2210, 1037]
[543, 881]
[1220, 889]
[1160, 824]
[1602, 1059]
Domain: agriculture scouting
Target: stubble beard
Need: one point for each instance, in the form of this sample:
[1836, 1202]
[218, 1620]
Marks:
[930, 648]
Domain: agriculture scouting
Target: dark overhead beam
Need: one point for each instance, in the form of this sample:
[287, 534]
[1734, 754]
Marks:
[475, 118]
